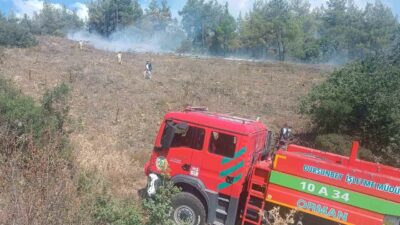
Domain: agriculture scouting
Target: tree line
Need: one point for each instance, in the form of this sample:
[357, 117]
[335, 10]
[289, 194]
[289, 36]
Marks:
[154, 22]
[276, 29]
[284, 29]
[272, 29]
[107, 16]
[19, 31]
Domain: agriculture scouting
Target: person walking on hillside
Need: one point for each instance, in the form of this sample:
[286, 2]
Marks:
[119, 57]
[148, 69]
[81, 45]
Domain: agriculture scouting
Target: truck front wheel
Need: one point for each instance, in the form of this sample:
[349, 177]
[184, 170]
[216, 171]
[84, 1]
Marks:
[187, 210]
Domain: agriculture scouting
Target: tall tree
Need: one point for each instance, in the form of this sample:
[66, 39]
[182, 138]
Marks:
[332, 28]
[153, 8]
[137, 11]
[106, 16]
[165, 10]
[255, 32]
[48, 21]
[278, 12]
[380, 26]
[157, 17]
[191, 15]
[304, 45]
[225, 33]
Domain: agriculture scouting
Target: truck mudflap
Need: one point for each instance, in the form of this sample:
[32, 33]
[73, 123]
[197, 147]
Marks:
[324, 208]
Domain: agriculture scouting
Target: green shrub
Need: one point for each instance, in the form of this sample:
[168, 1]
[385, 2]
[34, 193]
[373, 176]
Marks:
[335, 143]
[24, 116]
[20, 112]
[158, 207]
[14, 34]
[361, 99]
[103, 208]
[341, 144]
[185, 47]
[2, 55]
[37, 162]
[108, 211]
[34, 134]
[54, 105]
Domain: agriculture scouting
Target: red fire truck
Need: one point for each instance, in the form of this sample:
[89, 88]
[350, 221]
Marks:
[228, 175]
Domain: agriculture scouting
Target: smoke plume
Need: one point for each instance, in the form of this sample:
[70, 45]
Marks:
[132, 39]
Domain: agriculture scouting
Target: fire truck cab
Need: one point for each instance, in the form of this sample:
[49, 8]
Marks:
[209, 157]
[228, 176]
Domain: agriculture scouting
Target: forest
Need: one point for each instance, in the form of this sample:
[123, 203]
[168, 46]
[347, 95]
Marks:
[281, 30]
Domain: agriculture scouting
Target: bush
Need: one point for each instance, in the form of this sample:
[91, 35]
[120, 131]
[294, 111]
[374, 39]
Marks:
[362, 99]
[54, 105]
[2, 55]
[24, 116]
[156, 210]
[55, 21]
[341, 144]
[108, 211]
[36, 185]
[13, 34]
[278, 219]
[311, 50]
[185, 47]
[159, 206]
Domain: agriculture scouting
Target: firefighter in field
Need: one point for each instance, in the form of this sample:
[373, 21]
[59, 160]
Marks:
[284, 136]
[148, 69]
[119, 58]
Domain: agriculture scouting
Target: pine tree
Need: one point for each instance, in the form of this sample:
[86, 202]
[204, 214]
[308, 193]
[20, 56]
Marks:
[153, 8]
[225, 33]
[106, 16]
[165, 10]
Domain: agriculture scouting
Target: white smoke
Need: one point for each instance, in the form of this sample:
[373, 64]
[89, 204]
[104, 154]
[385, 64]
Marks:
[29, 7]
[132, 39]
[81, 10]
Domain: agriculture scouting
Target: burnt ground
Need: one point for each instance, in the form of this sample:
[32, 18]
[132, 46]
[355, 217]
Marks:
[115, 113]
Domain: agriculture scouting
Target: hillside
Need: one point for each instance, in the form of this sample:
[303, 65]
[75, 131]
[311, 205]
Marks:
[114, 112]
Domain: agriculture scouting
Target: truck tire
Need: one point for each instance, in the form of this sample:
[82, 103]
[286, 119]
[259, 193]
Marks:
[187, 209]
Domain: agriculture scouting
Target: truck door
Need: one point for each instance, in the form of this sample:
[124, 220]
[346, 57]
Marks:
[214, 169]
[187, 139]
[221, 169]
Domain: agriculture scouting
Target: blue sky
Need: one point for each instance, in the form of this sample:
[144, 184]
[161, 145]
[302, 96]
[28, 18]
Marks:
[236, 6]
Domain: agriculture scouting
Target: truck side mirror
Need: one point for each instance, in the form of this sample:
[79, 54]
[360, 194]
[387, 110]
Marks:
[168, 135]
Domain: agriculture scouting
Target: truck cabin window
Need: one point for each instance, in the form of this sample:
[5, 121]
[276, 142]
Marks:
[190, 137]
[222, 144]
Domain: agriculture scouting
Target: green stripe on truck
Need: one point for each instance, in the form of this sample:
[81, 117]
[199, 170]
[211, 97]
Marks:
[337, 194]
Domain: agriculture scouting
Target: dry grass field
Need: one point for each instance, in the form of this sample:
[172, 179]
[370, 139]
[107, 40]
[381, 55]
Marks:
[115, 113]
